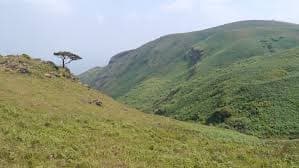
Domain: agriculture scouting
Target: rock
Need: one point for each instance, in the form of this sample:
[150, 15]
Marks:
[96, 102]
[74, 78]
[23, 70]
[55, 74]
[58, 75]
[48, 75]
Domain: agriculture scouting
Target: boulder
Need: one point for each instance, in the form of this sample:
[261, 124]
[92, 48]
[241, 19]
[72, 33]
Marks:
[48, 75]
[96, 102]
[55, 74]
[23, 70]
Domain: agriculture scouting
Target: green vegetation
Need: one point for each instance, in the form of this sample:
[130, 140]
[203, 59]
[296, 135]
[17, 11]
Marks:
[267, 104]
[48, 121]
[242, 76]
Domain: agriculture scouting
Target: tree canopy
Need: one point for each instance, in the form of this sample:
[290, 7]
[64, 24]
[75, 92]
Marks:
[67, 57]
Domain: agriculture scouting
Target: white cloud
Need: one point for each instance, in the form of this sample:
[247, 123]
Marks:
[55, 6]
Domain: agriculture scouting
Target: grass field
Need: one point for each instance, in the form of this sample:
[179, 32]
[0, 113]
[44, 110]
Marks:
[49, 122]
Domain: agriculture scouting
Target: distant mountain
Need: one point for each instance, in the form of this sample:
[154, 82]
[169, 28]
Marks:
[242, 76]
[90, 74]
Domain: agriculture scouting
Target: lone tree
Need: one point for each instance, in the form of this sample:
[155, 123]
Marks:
[67, 57]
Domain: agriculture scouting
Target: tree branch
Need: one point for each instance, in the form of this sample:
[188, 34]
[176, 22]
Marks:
[68, 62]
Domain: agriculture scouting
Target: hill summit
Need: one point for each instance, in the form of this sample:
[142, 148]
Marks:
[25, 65]
[241, 76]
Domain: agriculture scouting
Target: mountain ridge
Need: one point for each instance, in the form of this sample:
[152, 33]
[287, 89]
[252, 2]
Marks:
[182, 64]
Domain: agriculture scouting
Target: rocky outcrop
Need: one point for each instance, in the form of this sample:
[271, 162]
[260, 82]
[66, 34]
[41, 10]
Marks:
[23, 64]
[14, 65]
[96, 102]
[23, 70]
[194, 55]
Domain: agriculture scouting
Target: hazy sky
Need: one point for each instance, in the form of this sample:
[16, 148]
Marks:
[98, 29]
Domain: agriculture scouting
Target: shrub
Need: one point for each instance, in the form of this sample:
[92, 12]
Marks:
[239, 124]
[219, 116]
[159, 112]
[26, 56]
[51, 64]
[193, 117]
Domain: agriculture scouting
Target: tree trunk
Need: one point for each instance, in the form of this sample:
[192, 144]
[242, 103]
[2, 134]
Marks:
[63, 63]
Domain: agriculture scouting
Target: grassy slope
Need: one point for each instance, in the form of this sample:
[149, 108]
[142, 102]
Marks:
[49, 122]
[147, 77]
[267, 104]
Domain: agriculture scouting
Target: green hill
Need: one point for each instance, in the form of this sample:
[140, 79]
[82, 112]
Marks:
[241, 76]
[49, 119]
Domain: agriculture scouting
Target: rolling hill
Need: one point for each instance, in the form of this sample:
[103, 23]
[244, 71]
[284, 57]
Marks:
[49, 119]
[242, 76]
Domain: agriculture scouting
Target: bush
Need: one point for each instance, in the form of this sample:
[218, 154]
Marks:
[239, 124]
[219, 116]
[51, 64]
[193, 117]
[26, 56]
[159, 112]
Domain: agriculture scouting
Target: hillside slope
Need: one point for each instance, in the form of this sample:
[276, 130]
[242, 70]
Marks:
[48, 119]
[199, 76]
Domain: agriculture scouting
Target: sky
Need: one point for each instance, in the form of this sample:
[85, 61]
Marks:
[98, 29]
